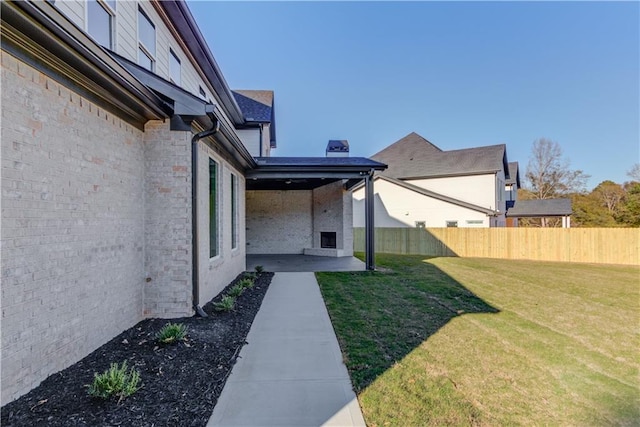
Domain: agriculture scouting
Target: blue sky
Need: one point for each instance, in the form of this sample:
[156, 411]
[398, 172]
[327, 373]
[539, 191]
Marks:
[461, 74]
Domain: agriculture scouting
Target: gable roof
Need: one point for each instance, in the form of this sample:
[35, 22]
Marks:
[514, 174]
[540, 208]
[415, 157]
[257, 106]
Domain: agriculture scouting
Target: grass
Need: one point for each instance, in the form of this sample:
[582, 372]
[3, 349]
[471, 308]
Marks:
[455, 341]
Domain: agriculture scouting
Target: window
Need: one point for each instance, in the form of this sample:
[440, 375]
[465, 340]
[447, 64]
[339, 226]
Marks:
[421, 224]
[213, 208]
[202, 93]
[234, 211]
[475, 222]
[174, 67]
[146, 41]
[452, 223]
[100, 16]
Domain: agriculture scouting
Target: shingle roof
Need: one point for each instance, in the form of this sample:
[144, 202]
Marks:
[256, 105]
[540, 208]
[318, 161]
[415, 157]
[514, 174]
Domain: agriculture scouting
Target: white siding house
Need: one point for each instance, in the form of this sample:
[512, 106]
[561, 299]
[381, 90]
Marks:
[425, 186]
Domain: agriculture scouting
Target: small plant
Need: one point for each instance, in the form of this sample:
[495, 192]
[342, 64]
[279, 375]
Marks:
[226, 303]
[246, 283]
[236, 290]
[171, 332]
[249, 275]
[116, 381]
[259, 269]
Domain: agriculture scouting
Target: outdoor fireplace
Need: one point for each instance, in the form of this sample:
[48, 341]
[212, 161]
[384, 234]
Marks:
[328, 239]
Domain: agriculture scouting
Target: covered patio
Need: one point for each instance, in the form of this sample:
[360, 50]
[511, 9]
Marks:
[303, 206]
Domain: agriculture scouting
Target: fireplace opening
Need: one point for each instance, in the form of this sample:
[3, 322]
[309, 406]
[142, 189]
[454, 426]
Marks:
[328, 239]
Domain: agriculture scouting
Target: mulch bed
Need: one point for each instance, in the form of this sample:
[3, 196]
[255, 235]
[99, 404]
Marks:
[181, 383]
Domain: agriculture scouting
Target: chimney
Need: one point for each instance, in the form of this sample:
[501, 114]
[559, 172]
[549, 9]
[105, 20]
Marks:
[338, 148]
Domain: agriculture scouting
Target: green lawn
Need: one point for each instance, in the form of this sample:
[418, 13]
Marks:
[454, 341]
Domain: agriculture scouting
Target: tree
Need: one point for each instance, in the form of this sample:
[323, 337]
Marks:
[549, 174]
[629, 214]
[610, 195]
[634, 172]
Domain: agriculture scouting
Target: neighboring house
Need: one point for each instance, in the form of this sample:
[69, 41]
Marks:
[125, 164]
[425, 186]
[512, 184]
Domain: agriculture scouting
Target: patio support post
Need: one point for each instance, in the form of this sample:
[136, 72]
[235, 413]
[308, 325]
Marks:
[369, 223]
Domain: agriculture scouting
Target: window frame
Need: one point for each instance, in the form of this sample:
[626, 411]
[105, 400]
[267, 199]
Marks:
[110, 10]
[174, 56]
[142, 48]
[234, 212]
[214, 208]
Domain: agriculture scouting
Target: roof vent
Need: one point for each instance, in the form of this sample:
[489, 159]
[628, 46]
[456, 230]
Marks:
[338, 148]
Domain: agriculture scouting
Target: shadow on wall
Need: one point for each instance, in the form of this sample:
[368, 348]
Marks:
[395, 319]
[381, 215]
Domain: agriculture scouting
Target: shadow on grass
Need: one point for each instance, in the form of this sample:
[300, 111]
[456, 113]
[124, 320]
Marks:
[382, 316]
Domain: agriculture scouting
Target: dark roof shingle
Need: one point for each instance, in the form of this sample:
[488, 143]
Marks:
[540, 208]
[415, 157]
[256, 105]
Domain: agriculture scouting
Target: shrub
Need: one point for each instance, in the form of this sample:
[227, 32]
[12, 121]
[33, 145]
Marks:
[246, 283]
[226, 303]
[259, 269]
[171, 332]
[236, 290]
[115, 381]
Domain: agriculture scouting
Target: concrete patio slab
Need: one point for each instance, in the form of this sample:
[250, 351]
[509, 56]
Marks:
[304, 263]
[291, 371]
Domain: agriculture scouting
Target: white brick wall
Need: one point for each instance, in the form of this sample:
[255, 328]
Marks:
[288, 222]
[218, 272]
[168, 253]
[72, 227]
[279, 222]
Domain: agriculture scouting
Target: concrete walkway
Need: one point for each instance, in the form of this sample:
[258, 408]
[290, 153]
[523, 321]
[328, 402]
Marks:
[291, 371]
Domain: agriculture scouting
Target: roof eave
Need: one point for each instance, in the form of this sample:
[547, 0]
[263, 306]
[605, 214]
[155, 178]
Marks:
[181, 16]
[47, 39]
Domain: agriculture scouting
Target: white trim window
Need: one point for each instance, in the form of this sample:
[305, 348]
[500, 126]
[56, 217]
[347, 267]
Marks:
[452, 224]
[100, 21]
[175, 71]
[146, 41]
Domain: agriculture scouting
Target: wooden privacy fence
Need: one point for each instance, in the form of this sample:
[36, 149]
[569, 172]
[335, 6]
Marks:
[589, 245]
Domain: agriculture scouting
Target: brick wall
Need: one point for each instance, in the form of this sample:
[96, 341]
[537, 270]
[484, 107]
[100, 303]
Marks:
[72, 227]
[218, 272]
[167, 191]
[332, 211]
[279, 222]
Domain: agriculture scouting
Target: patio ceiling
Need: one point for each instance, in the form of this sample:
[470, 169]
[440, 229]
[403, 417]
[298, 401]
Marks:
[307, 173]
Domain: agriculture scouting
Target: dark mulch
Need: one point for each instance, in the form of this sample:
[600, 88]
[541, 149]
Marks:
[181, 383]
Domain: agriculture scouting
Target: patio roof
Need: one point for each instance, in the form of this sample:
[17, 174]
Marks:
[540, 208]
[307, 173]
